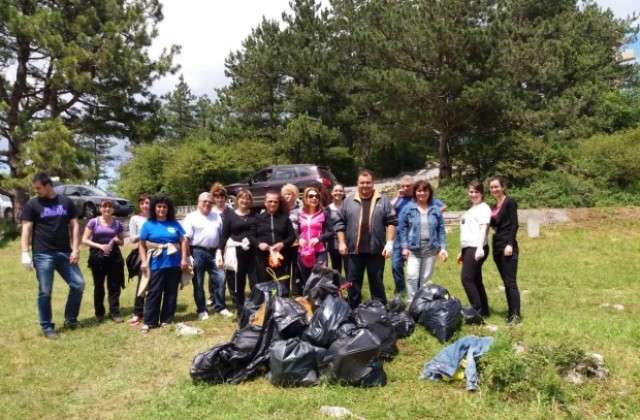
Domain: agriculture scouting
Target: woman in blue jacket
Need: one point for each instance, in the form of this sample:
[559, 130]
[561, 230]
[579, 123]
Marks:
[422, 236]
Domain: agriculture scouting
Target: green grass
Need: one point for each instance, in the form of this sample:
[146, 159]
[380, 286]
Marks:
[113, 371]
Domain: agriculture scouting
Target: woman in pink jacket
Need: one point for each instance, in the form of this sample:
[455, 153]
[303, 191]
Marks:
[316, 228]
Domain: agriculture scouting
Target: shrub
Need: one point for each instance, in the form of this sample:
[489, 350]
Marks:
[9, 230]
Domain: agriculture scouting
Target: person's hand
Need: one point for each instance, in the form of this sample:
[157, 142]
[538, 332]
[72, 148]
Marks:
[184, 264]
[263, 246]
[342, 248]
[219, 261]
[105, 248]
[479, 253]
[508, 251]
[313, 241]
[405, 254]
[443, 255]
[144, 266]
[387, 252]
[74, 257]
[302, 242]
[277, 247]
[26, 261]
[459, 258]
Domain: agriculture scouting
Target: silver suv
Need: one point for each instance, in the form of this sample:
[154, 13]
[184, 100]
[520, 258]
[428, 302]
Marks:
[6, 208]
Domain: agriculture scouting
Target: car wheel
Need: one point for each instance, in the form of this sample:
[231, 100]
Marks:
[231, 201]
[90, 211]
[8, 214]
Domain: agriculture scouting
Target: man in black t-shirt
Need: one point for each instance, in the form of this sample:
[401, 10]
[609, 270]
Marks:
[45, 226]
[366, 227]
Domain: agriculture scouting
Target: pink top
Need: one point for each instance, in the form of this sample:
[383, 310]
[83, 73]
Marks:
[311, 227]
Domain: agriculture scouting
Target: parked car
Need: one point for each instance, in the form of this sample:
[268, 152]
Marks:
[275, 177]
[6, 208]
[87, 200]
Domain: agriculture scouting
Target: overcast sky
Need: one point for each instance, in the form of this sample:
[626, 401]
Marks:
[208, 30]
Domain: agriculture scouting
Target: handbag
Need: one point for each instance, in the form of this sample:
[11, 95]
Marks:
[230, 258]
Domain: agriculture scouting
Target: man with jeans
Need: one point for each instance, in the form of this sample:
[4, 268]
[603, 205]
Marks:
[366, 227]
[45, 226]
[203, 228]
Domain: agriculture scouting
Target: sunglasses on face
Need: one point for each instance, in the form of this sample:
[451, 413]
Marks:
[312, 195]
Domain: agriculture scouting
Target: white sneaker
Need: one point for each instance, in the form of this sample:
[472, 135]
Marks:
[203, 316]
[225, 312]
[210, 302]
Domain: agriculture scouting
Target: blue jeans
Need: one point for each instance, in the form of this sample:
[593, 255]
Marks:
[205, 264]
[397, 268]
[374, 265]
[46, 263]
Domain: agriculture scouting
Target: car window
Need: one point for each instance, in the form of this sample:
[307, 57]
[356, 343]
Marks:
[305, 172]
[93, 191]
[262, 176]
[71, 191]
[285, 173]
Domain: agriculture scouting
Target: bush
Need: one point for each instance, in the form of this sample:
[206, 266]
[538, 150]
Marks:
[9, 230]
[557, 189]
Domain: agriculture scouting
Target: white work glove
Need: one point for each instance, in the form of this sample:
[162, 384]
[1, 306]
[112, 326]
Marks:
[218, 258]
[26, 261]
[388, 249]
[479, 253]
[245, 244]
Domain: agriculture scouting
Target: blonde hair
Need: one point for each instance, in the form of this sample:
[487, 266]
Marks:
[305, 200]
[291, 189]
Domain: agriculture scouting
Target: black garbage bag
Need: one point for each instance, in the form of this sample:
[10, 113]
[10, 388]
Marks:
[292, 363]
[402, 323]
[471, 315]
[219, 363]
[133, 263]
[373, 315]
[354, 359]
[442, 318]
[322, 282]
[328, 322]
[245, 339]
[290, 317]
[424, 296]
[397, 305]
[257, 297]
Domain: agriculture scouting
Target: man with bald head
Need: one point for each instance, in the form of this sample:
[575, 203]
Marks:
[203, 229]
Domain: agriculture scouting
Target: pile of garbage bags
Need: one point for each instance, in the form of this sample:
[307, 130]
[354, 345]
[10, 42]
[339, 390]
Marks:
[293, 342]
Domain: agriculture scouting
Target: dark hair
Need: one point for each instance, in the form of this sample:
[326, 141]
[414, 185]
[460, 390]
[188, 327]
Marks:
[143, 197]
[364, 172]
[42, 178]
[477, 185]
[283, 207]
[325, 195]
[161, 199]
[501, 180]
[107, 201]
[423, 184]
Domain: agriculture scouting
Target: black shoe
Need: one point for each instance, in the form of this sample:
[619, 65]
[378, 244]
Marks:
[513, 320]
[99, 319]
[51, 335]
[117, 319]
[68, 325]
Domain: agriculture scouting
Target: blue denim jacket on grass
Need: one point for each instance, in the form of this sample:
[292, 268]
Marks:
[408, 233]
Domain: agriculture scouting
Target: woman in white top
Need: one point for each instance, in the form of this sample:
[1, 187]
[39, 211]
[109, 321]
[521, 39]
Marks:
[135, 226]
[474, 225]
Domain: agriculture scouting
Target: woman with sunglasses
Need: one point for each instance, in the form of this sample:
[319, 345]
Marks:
[104, 235]
[316, 228]
[337, 260]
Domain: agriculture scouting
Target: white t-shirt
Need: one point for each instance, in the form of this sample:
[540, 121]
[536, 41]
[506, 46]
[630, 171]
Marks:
[470, 225]
[135, 226]
[201, 230]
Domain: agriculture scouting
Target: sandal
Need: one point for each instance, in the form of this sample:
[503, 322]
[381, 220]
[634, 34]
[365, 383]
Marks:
[144, 329]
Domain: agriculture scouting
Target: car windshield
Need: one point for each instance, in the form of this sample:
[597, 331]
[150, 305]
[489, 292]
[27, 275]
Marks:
[4, 198]
[93, 191]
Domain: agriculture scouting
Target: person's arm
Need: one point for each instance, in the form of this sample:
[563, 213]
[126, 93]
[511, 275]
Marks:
[134, 234]
[327, 227]
[75, 239]
[512, 214]
[184, 247]
[25, 241]
[442, 237]
[142, 249]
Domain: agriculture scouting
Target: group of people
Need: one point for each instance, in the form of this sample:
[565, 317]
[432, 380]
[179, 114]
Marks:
[354, 233]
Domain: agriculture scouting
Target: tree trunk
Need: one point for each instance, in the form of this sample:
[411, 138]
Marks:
[445, 156]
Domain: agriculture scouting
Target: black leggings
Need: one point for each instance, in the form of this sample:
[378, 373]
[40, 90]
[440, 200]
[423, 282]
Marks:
[237, 280]
[472, 279]
[508, 269]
